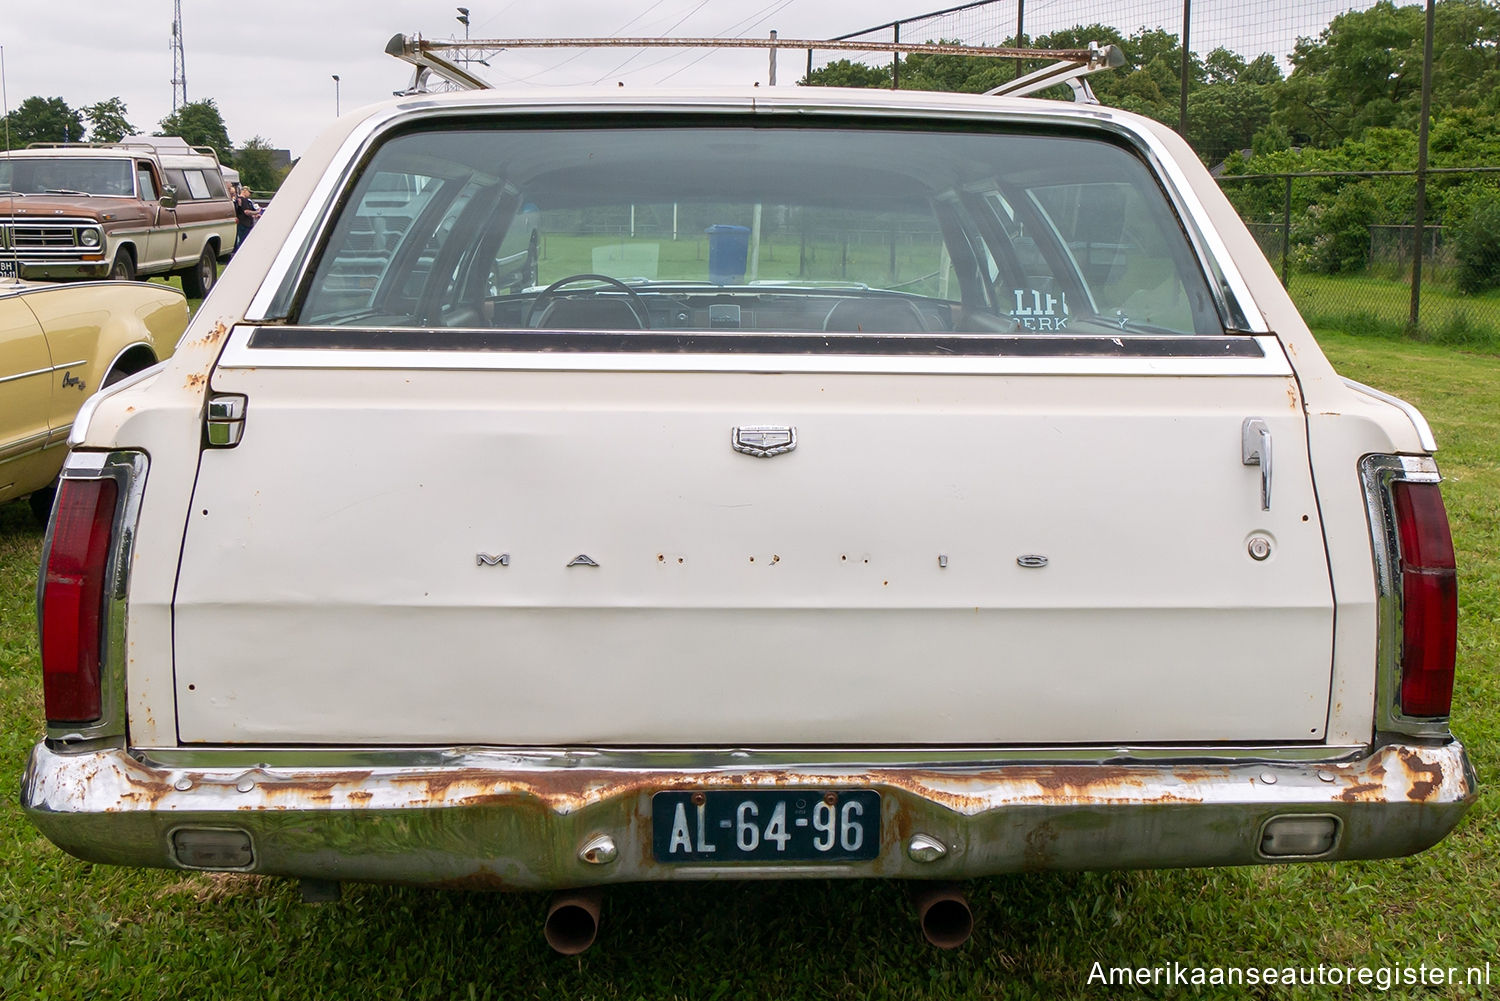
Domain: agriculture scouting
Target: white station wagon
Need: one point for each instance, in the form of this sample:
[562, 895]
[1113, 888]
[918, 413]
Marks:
[860, 484]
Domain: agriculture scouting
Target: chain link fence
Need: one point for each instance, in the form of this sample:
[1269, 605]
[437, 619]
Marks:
[1344, 241]
[1345, 247]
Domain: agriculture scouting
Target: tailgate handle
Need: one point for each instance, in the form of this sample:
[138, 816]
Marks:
[1255, 450]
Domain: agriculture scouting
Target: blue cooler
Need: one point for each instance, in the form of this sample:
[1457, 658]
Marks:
[728, 250]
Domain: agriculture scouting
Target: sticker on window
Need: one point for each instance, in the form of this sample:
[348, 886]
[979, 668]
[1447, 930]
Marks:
[1041, 311]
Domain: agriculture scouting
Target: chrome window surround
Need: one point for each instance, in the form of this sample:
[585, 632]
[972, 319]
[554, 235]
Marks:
[1377, 473]
[128, 470]
[272, 301]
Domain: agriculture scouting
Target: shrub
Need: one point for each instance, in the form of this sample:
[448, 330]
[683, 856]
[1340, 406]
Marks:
[1476, 247]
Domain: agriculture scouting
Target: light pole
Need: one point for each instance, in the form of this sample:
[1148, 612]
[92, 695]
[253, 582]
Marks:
[463, 18]
[335, 95]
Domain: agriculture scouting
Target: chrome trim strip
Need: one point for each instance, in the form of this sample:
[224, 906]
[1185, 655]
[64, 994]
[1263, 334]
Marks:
[85, 414]
[27, 375]
[1425, 436]
[44, 371]
[128, 470]
[316, 215]
[222, 756]
[498, 820]
[1377, 473]
[25, 446]
[238, 354]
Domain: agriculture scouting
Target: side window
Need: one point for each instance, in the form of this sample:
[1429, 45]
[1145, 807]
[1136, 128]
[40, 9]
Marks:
[215, 181]
[385, 210]
[146, 182]
[176, 180]
[195, 183]
[1123, 250]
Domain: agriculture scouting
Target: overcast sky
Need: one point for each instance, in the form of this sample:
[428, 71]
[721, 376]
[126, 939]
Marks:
[269, 65]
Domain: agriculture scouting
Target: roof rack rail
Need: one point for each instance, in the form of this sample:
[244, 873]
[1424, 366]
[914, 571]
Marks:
[1068, 71]
[168, 145]
[1071, 65]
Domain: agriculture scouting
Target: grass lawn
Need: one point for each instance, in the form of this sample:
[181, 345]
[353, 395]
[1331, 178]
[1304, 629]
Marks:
[72, 930]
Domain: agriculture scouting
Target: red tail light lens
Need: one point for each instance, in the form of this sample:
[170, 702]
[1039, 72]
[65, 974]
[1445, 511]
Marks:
[1429, 599]
[73, 595]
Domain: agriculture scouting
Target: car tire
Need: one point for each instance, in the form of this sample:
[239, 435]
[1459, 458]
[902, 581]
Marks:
[123, 270]
[197, 280]
[41, 503]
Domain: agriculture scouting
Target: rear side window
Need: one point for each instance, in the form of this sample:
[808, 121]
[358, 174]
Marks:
[197, 186]
[768, 229]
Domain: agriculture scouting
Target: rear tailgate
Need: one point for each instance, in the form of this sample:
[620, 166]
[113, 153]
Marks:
[958, 551]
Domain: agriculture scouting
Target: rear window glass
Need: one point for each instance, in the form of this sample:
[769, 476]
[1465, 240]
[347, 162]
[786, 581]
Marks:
[765, 229]
[197, 186]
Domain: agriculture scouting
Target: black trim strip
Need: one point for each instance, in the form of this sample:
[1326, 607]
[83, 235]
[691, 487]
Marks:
[701, 342]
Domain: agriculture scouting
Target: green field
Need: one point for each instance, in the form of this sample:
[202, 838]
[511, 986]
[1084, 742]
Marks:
[72, 930]
[860, 258]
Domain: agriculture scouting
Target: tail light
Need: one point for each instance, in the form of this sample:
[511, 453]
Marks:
[1418, 593]
[1429, 599]
[73, 596]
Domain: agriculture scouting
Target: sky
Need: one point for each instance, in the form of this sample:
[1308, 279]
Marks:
[269, 65]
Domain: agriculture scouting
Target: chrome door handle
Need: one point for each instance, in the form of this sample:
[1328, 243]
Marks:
[1255, 450]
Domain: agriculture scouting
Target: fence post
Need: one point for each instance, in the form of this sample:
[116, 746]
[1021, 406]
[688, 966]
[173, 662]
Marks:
[1020, 35]
[896, 57]
[1421, 213]
[1286, 232]
[1187, 58]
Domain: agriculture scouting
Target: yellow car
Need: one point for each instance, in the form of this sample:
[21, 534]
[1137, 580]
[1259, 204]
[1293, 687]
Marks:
[58, 344]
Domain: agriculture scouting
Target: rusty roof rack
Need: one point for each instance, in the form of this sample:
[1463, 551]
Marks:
[1070, 66]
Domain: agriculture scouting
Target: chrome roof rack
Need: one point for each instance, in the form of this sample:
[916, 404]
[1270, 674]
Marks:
[431, 58]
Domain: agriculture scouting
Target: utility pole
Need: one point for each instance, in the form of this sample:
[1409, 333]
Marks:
[179, 60]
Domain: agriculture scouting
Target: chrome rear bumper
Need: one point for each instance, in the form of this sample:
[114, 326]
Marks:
[524, 820]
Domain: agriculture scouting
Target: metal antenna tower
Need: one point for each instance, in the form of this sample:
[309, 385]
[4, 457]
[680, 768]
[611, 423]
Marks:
[179, 61]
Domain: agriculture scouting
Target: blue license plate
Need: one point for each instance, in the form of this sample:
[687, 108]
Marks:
[766, 825]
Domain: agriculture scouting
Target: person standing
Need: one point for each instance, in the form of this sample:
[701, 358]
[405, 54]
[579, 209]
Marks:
[245, 214]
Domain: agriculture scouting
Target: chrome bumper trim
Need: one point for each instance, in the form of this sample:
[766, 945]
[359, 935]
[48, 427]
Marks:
[504, 820]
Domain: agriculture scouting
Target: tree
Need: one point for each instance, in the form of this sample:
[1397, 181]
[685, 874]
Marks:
[200, 124]
[43, 120]
[1224, 118]
[1223, 66]
[107, 121]
[847, 73]
[254, 164]
[1364, 71]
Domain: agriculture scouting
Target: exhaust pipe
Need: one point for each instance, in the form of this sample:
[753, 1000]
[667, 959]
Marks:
[944, 913]
[572, 921]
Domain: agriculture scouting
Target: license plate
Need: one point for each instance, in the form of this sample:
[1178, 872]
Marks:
[766, 825]
[7, 268]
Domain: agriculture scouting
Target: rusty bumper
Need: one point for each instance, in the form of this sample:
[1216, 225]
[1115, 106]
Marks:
[528, 820]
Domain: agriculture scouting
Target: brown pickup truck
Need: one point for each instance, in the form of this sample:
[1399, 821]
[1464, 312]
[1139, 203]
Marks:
[145, 206]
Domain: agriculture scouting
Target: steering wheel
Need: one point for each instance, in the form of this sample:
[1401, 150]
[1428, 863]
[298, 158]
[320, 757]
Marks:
[633, 300]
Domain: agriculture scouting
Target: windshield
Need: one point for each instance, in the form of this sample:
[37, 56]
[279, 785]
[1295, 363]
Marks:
[89, 176]
[772, 229]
